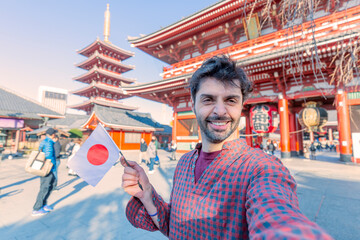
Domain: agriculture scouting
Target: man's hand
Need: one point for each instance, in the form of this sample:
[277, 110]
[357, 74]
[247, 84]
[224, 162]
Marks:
[133, 175]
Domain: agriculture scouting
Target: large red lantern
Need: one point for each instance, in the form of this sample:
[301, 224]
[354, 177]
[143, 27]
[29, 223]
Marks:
[263, 118]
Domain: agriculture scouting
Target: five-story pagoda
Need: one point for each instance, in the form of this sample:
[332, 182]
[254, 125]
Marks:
[104, 73]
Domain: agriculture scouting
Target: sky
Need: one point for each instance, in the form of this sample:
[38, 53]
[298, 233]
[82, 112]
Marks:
[39, 40]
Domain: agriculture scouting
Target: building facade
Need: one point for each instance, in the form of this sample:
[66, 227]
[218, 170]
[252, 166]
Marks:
[53, 98]
[291, 58]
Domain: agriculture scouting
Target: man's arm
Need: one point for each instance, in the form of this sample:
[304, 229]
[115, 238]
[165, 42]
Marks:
[272, 205]
[145, 202]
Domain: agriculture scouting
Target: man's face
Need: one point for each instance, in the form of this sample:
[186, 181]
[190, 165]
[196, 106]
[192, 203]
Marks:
[218, 109]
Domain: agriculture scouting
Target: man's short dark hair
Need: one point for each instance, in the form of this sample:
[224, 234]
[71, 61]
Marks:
[51, 131]
[223, 69]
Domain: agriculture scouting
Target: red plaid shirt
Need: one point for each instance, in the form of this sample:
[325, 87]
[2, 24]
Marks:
[244, 193]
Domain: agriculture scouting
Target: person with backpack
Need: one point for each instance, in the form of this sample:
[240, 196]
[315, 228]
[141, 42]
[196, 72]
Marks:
[143, 149]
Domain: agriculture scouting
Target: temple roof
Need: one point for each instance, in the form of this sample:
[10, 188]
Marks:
[69, 121]
[122, 119]
[14, 105]
[190, 20]
[101, 86]
[99, 71]
[103, 102]
[93, 60]
[102, 46]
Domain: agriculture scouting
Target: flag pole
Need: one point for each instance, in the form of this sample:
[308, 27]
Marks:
[127, 163]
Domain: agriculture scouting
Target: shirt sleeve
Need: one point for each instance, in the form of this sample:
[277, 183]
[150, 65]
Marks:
[139, 217]
[272, 208]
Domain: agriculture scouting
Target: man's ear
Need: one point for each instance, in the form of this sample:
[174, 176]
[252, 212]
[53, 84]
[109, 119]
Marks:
[192, 104]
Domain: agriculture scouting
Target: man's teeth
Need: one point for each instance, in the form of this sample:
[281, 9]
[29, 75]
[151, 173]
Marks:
[219, 123]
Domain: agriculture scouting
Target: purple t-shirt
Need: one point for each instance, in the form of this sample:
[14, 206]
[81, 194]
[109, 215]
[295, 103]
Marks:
[203, 161]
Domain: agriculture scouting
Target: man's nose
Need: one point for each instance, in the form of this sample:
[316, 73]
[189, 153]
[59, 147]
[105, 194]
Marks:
[220, 108]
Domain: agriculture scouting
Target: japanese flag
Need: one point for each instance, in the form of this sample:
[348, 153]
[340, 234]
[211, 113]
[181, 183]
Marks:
[95, 157]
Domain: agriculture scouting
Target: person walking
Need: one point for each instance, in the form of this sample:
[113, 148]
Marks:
[313, 151]
[46, 183]
[151, 151]
[57, 149]
[69, 147]
[77, 145]
[157, 160]
[143, 149]
[173, 151]
[271, 148]
[224, 189]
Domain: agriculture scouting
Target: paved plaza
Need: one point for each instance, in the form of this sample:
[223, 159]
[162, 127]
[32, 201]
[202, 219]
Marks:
[328, 191]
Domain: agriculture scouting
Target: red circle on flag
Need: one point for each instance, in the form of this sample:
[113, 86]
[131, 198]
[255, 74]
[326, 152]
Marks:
[97, 154]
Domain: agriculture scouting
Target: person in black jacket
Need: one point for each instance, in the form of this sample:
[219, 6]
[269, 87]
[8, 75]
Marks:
[143, 149]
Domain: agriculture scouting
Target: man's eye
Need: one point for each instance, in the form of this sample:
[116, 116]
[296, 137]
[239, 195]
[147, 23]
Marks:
[206, 100]
[232, 100]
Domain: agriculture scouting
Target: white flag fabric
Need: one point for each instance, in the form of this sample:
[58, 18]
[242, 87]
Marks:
[95, 157]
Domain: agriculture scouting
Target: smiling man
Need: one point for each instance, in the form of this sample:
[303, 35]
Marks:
[223, 189]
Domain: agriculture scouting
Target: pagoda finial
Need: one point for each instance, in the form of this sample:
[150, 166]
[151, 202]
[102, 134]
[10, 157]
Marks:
[107, 24]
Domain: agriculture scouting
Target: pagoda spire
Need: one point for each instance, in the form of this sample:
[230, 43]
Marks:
[107, 24]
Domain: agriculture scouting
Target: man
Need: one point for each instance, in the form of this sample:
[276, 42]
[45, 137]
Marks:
[143, 149]
[271, 148]
[173, 151]
[57, 149]
[152, 154]
[47, 182]
[223, 189]
[69, 147]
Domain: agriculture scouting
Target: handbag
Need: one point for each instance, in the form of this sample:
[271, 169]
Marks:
[38, 165]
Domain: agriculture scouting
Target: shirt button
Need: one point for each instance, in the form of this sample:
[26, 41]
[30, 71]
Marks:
[192, 180]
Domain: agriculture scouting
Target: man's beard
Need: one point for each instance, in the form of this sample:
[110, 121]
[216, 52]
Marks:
[214, 136]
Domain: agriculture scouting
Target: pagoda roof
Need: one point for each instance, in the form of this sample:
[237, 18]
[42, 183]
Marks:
[99, 85]
[93, 59]
[103, 102]
[165, 84]
[99, 44]
[95, 70]
[15, 105]
[121, 119]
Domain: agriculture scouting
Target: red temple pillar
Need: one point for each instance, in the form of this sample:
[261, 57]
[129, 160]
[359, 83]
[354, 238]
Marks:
[299, 134]
[293, 135]
[284, 127]
[249, 139]
[174, 126]
[343, 115]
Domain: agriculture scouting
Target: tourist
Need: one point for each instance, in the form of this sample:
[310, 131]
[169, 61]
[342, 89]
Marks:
[223, 189]
[152, 154]
[313, 151]
[57, 149]
[46, 182]
[173, 151]
[271, 148]
[77, 145]
[69, 147]
[143, 149]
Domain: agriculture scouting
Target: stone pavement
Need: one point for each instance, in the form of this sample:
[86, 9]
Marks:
[328, 190]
